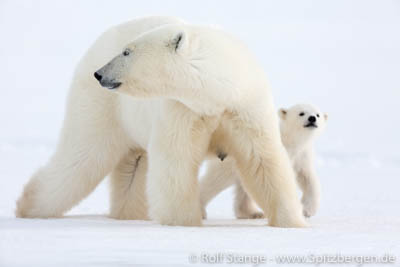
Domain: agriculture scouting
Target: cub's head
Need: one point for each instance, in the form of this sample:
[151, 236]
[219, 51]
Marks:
[302, 120]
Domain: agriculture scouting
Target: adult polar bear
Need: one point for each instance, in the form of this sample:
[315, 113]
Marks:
[180, 92]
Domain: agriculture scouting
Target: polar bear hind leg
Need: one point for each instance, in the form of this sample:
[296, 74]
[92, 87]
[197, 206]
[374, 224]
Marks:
[71, 175]
[90, 146]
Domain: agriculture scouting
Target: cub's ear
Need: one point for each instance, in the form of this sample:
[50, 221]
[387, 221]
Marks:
[326, 116]
[282, 113]
[178, 41]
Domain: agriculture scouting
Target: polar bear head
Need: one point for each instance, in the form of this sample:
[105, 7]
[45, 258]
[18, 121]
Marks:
[302, 121]
[199, 66]
[146, 67]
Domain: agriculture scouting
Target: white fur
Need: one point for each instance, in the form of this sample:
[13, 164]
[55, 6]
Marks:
[184, 92]
[297, 140]
[128, 187]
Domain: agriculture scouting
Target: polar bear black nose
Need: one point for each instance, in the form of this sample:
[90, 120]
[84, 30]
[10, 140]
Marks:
[98, 76]
[312, 119]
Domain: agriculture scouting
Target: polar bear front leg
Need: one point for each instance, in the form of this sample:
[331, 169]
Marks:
[310, 186]
[128, 187]
[266, 172]
[178, 145]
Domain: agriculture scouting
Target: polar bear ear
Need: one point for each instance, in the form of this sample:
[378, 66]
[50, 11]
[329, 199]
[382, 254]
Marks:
[178, 41]
[326, 116]
[282, 113]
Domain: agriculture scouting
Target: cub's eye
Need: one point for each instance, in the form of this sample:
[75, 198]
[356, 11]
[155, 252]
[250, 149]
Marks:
[318, 115]
[126, 52]
[301, 114]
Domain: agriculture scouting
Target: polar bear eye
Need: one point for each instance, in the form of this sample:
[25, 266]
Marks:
[318, 115]
[301, 114]
[126, 52]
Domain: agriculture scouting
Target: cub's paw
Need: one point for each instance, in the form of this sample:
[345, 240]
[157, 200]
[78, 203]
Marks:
[204, 213]
[309, 207]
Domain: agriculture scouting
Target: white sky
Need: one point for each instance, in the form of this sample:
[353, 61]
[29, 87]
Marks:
[343, 56]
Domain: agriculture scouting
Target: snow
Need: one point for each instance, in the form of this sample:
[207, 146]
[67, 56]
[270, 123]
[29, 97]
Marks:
[341, 55]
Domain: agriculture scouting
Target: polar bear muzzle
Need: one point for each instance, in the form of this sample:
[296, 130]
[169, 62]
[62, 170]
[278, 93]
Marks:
[110, 84]
[108, 75]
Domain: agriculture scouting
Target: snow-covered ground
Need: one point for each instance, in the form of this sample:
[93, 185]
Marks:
[340, 55]
[359, 216]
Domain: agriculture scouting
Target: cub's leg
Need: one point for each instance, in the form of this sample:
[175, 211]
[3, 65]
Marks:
[128, 187]
[311, 188]
[219, 176]
[245, 207]
[178, 145]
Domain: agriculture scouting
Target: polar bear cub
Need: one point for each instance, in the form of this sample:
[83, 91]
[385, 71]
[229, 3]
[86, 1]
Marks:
[299, 125]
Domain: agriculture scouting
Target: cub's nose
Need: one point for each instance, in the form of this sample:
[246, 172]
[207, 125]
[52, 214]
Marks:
[98, 76]
[312, 119]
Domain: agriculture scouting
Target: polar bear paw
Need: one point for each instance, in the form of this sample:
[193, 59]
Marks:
[249, 214]
[257, 215]
[204, 213]
[310, 207]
